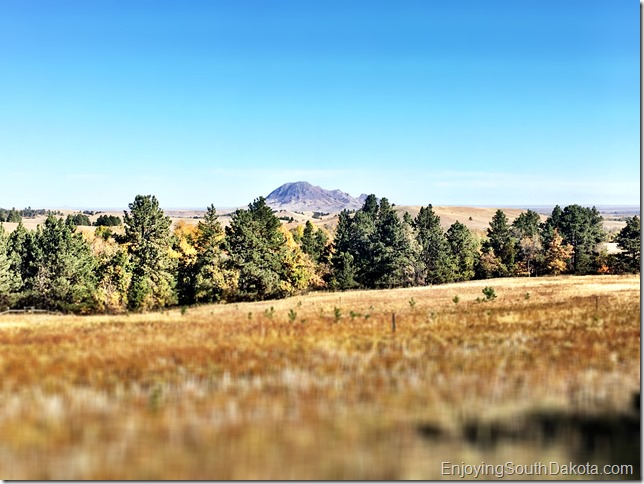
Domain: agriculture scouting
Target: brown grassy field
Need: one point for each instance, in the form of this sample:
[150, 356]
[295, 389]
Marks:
[322, 387]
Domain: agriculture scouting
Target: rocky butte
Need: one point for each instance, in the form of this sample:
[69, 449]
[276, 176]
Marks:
[303, 197]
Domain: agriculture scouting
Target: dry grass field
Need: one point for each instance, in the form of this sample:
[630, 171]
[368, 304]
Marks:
[322, 387]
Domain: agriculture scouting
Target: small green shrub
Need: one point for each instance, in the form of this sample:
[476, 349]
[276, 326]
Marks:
[337, 313]
[292, 315]
[456, 299]
[489, 293]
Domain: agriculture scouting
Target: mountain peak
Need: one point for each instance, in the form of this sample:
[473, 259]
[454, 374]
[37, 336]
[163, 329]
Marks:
[302, 196]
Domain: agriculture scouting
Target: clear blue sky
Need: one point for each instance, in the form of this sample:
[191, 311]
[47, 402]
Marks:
[215, 101]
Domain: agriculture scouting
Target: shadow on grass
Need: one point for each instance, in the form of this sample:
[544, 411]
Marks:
[609, 438]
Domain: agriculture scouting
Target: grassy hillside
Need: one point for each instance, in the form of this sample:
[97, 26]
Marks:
[323, 387]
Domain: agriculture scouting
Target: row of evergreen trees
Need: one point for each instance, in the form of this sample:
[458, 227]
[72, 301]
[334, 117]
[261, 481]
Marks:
[375, 248]
[148, 266]
[14, 215]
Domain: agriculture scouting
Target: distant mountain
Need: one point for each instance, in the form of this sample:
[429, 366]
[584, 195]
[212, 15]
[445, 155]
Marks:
[303, 197]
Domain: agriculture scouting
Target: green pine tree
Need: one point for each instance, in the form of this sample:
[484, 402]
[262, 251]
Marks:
[148, 241]
[257, 250]
[65, 278]
[213, 281]
[314, 242]
[502, 243]
[464, 248]
[435, 253]
[9, 279]
[629, 240]
[582, 228]
[393, 257]
[343, 269]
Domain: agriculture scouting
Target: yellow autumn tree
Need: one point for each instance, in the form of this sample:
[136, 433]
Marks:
[298, 269]
[558, 254]
[113, 271]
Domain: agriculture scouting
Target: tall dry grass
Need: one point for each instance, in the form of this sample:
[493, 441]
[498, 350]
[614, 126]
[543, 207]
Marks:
[317, 386]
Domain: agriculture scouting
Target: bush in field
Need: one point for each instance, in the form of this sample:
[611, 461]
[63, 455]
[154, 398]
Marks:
[78, 219]
[108, 221]
[489, 293]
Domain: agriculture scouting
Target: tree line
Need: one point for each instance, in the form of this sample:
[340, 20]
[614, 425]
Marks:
[14, 215]
[150, 266]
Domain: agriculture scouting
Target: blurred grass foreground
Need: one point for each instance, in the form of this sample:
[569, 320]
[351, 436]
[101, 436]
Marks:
[385, 384]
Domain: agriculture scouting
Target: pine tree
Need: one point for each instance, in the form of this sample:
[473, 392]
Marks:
[582, 228]
[343, 269]
[147, 237]
[435, 253]
[213, 281]
[629, 240]
[526, 225]
[65, 278]
[362, 232]
[314, 242]
[257, 249]
[464, 249]
[9, 280]
[501, 241]
[24, 253]
[370, 206]
[393, 262]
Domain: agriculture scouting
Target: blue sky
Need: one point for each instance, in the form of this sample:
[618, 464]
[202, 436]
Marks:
[214, 101]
